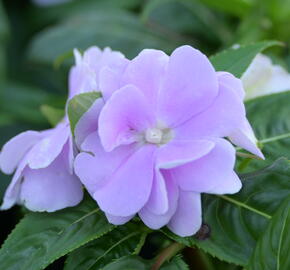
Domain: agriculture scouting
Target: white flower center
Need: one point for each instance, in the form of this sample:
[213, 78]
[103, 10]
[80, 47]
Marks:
[153, 135]
[158, 135]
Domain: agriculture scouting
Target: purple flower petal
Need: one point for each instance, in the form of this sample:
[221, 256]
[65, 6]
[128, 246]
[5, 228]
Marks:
[158, 200]
[46, 151]
[125, 114]
[156, 221]
[226, 114]
[11, 195]
[177, 153]
[190, 86]
[128, 189]
[244, 137]
[145, 72]
[51, 188]
[213, 173]
[16, 148]
[230, 81]
[187, 218]
[95, 167]
[118, 220]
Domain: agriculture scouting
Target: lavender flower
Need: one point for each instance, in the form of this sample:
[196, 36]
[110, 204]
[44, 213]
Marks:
[159, 140]
[44, 179]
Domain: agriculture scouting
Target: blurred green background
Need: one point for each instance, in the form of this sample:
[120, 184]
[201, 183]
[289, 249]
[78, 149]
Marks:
[36, 45]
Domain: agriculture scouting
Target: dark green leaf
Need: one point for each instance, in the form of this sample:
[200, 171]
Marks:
[273, 248]
[269, 116]
[137, 263]
[78, 105]
[237, 60]
[237, 221]
[53, 115]
[96, 254]
[41, 238]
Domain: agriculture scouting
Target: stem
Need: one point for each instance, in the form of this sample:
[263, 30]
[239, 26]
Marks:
[241, 204]
[275, 138]
[167, 254]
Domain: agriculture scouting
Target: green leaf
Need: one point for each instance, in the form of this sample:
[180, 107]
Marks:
[182, 18]
[23, 102]
[273, 248]
[137, 263]
[96, 254]
[41, 238]
[235, 7]
[117, 29]
[53, 115]
[237, 221]
[269, 116]
[78, 105]
[237, 60]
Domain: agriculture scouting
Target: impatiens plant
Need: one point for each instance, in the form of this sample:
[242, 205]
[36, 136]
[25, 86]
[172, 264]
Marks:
[152, 142]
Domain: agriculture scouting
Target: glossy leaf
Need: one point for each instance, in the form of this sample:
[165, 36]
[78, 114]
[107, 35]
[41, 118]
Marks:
[273, 248]
[41, 238]
[269, 116]
[120, 242]
[236, 222]
[237, 60]
[136, 263]
[78, 105]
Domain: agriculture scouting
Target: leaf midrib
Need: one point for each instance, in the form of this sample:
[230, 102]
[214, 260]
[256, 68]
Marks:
[243, 205]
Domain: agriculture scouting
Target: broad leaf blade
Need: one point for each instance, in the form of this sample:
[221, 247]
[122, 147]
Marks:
[238, 221]
[269, 116]
[98, 253]
[273, 248]
[237, 60]
[41, 238]
[78, 105]
[137, 263]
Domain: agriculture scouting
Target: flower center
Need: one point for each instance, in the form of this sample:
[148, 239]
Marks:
[153, 135]
[158, 135]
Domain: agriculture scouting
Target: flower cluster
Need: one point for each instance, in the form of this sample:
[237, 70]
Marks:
[158, 138]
